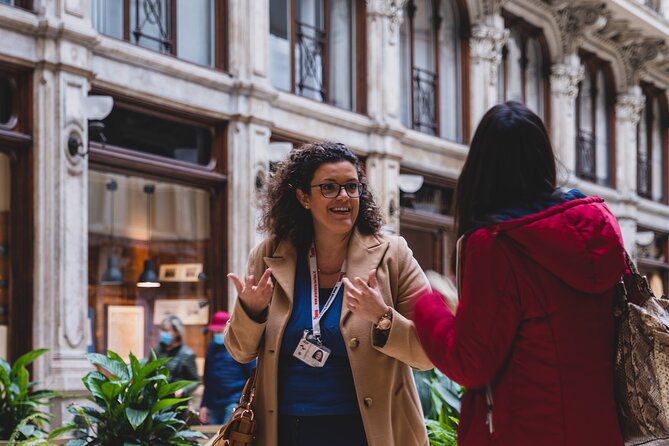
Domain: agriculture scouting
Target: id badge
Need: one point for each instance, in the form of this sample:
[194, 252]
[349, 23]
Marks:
[310, 351]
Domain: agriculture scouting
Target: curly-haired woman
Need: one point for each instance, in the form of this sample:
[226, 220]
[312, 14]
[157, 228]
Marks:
[341, 288]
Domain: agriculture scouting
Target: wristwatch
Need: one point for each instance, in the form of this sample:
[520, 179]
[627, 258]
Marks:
[385, 321]
[381, 330]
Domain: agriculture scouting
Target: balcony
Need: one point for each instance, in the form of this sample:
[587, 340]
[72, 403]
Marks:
[425, 101]
[585, 156]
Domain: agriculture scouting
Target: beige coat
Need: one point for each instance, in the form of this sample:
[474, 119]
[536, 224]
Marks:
[389, 404]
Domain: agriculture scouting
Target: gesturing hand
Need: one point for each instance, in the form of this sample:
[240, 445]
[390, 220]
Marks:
[254, 297]
[364, 300]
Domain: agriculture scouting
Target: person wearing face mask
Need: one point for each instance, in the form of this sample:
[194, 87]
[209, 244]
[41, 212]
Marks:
[224, 378]
[182, 362]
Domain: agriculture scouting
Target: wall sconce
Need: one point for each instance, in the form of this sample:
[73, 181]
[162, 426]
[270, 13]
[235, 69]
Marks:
[410, 183]
[97, 109]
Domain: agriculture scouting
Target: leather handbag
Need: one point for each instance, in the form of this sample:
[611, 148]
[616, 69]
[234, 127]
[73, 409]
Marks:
[241, 428]
[642, 362]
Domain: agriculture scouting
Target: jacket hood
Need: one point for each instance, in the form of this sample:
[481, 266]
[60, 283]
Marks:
[579, 241]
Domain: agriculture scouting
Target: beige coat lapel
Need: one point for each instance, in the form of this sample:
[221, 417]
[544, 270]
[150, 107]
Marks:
[283, 263]
[365, 253]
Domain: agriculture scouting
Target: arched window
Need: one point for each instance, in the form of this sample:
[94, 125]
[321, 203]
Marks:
[652, 145]
[317, 50]
[431, 87]
[595, 140]
[523, 75]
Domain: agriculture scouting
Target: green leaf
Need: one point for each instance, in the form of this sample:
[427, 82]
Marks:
[27, 358]
[115, 367]
[170, 388]
[77, 442]
[167, 402]
[136, 416]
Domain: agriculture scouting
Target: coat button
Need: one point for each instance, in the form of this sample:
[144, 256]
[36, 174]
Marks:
[368, 402]
[353, 343]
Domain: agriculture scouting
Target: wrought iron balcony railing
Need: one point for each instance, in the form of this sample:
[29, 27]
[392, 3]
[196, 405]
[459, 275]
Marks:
[585, 157]
[425, 100]
[311, 48]
[154, 21]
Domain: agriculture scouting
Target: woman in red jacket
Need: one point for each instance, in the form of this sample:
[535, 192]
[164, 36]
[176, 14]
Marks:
[537, 266]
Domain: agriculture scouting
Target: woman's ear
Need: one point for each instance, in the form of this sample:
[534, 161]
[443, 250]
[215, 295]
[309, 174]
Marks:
[303, 198]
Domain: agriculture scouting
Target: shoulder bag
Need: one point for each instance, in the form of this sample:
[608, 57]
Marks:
[642, 362]
[241, 428]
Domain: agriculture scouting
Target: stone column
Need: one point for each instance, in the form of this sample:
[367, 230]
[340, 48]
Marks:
[384, 18]
[488, 39]
[565, 77]
[61, 199]
[248, 50]
[628, 112]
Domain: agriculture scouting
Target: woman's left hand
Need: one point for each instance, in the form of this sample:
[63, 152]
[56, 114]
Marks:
[364, 300]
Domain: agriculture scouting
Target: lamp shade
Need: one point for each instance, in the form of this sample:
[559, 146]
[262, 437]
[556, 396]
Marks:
[112, 275]
[148, 278]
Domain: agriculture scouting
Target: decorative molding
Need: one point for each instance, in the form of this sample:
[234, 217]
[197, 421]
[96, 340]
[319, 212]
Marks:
[575, 19]
[486, 45]
[564, 81]
[492, 7]
[629, 108]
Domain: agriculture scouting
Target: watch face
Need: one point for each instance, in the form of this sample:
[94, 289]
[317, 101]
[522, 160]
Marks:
[384, 324]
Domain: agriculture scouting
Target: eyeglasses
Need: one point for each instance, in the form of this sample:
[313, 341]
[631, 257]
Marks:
[331, 189]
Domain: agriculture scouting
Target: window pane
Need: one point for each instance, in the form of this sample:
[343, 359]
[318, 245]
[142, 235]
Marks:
[449, 111]
[150, 24]
[6, 103]
[107, 17]
[602, 156]
[279, 44]
[424, 37]
[150, 134]
[4, 253]
[309, 49]
[7, 2]
[658, 152]
[514, 79]
[534, 87]
[128, 226]
[642, 152]
[341, 61]
[195, 31]
[585, 103]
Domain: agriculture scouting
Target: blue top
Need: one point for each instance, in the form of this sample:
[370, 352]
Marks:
[224, 378]
[306, 390]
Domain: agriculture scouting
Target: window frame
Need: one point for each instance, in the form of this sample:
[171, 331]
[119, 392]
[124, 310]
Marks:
[212, 177]
[23, 4]
[220, 35]
[527, 31]
[16, 144]
[593, 66]
[438, 225]
[463, 69]
[359, 58]
[653, 93]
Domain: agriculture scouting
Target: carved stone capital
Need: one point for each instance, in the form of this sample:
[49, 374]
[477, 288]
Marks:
[638, 54]
[565, 79]
[629, 108]
[391, 11]
[486, 45]
[492, 7]
[575, 18]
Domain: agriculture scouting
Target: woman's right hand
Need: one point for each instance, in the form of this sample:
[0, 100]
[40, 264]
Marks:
[255, 298]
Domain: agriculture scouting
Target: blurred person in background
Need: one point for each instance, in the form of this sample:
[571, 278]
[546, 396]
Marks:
[182, 359]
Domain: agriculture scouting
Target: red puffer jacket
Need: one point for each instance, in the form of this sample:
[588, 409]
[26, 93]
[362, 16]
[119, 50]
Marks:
[534, 329]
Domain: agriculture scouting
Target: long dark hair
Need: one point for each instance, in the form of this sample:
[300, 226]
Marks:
[283, 215]
[510, 163]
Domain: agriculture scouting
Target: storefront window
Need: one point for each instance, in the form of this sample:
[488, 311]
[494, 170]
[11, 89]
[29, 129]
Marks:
[4, 253]
[133, 220]
[652, 248]
[148, 133]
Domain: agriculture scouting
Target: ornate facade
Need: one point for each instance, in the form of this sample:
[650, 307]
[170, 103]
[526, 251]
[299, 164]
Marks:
[207, 94]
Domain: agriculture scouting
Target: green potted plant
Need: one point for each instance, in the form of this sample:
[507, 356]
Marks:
[135, 405]
[22, 420]
[440, 398]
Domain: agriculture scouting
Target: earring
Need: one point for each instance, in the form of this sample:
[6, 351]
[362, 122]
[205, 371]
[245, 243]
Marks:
[306, 206]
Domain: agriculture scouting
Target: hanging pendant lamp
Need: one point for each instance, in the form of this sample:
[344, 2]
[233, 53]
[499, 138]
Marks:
[112, 275]
[148, 278]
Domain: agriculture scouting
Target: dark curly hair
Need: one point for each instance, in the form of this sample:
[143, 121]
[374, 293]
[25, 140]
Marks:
[283, 215]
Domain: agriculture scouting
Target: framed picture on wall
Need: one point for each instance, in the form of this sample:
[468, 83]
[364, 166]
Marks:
[180, 272]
